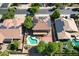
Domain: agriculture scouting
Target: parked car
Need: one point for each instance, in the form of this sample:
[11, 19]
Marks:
[52, 9]
[74, 16]
[62, 7]
[75, 9]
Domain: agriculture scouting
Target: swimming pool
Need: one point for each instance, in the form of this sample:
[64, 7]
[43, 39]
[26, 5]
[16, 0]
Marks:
[75, 42]
[32, 41]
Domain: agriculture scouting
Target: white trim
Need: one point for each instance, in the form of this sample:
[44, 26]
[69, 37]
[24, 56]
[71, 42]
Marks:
[42, 15]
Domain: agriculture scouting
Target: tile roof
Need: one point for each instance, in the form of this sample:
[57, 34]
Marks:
[64, 35]
[41, 26]
[69, 25]
[63, 26]
[12, 22]
[8, 23]
[11, 33]
[47, 38]
[2, 37]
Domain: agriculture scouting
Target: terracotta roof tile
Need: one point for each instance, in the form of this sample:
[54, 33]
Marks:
[11, 33]
[1, 38]
[41, 26]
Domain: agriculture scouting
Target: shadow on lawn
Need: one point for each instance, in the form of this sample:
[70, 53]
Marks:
[33, 52]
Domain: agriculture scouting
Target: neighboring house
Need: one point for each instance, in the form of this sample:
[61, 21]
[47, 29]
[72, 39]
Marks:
[70, 25]
[11, 29]
[66, 28]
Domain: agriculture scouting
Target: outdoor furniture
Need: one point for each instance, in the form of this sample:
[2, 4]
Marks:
[65, 46]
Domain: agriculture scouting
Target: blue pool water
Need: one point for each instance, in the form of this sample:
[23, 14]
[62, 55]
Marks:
[32, 41]
[75, 42]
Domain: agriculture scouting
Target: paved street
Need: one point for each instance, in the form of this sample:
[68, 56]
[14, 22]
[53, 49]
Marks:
[68, 11]
[3, 10]
[44, 11]
[24, 11]
[41, 11]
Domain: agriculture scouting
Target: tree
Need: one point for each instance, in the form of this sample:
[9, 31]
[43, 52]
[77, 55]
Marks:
[55, 15]
[48, 49]
[69, 51]
[41, 47]
[28, 22]
[14, 45]
[57, 5]
[52, 48]
[33, 10]
[10, 14]
[35, 5]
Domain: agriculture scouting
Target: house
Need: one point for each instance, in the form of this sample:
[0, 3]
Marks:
[11, 29]
[65, 28]
[40, 27]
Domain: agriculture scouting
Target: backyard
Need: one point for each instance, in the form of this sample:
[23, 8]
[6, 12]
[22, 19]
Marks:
[59, 48]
